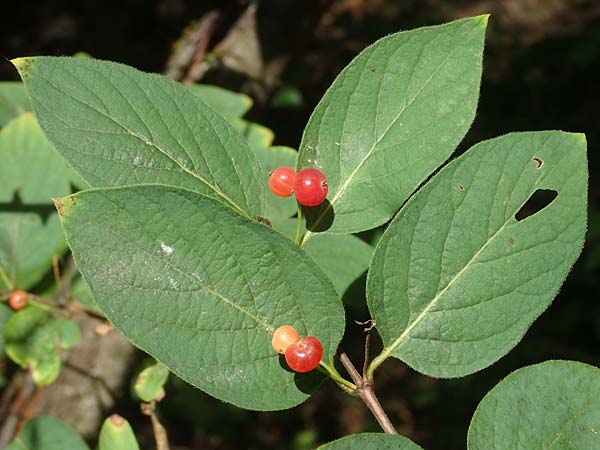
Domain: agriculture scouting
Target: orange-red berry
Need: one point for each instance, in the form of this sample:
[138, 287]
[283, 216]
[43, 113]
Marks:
[304, 355]
[281, 181]
[310, 187]
[17, 300]
[283, 337]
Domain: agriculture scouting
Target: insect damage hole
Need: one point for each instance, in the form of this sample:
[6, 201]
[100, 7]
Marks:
[534, 204]
[537, 162]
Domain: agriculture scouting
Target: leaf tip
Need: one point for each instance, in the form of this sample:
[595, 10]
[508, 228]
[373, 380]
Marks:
[482, 20]
[22, 65]
[61, 204]
[116, 420]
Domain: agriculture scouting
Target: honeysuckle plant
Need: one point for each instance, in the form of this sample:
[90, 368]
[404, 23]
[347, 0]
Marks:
[190, 256]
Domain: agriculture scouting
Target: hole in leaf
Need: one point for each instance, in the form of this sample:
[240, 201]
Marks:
[461, 187]
[537, 162]
[538, 201]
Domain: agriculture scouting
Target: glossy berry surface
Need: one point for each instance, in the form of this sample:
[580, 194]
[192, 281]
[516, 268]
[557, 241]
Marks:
[281, 181]
[304, 355]
[310, 187]
[17, 300]
[283, 337]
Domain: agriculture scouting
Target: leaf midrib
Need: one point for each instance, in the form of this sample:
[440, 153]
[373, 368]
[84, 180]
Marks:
[396, 343]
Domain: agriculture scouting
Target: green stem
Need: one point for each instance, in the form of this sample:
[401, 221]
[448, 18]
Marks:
[6, 280]
[332, 373]
[377, 361]
[299, 226]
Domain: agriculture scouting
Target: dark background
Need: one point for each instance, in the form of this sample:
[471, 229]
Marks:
[541, 71]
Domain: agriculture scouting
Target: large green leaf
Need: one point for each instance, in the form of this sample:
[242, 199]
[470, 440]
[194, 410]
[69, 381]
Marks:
[202, 289]
[554, 405]
[390, 119]
[13, 101]
[47, 433]
[227, 103]
[456, 280]
[371, 441]
[117, 126]
[31, 173]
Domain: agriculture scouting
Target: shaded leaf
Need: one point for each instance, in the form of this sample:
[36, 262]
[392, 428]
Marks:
[456, 280]
[14, 101]
[5, 315]
[32, 172]
[371, 441]
[552, 405]
[201, 289]
[117, 126]
[47, 433]
[227, 103]
[32, 336]
[277, 209]
[393, 115]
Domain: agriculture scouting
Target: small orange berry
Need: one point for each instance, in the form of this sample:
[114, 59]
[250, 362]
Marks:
[283, 337]
[17, 300]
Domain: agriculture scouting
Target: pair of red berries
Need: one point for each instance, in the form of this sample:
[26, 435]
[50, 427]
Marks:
[301, 355]
[17, 300]
[309, 185]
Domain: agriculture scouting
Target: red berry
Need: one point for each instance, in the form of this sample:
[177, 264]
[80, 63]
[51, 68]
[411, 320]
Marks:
[281, 181]
[17, 300]
[304, 355]
[283, 337]
[310, 187]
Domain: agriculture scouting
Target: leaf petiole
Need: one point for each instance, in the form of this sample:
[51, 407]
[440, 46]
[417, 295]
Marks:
[332, 373]
[6, 280]
[298, 238]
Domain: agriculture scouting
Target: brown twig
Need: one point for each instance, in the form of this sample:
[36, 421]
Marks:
[19, 409]
[364, 390]
[160, 433]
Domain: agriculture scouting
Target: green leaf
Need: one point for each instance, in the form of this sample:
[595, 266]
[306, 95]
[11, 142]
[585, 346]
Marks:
[343, 258]
[277, 209]
[47, 433]
[256, 135]
[201, 289]
[456, 280]
[116, 434]
[32, 172]
[553, 405]
[118, 126]
[150, 382]
[5, 315]
[371, 441]
[32, 336]
[227, 103]
[393, 115]
[14, 101]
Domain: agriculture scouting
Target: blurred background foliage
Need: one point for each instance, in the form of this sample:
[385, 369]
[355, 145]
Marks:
[541, 68]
